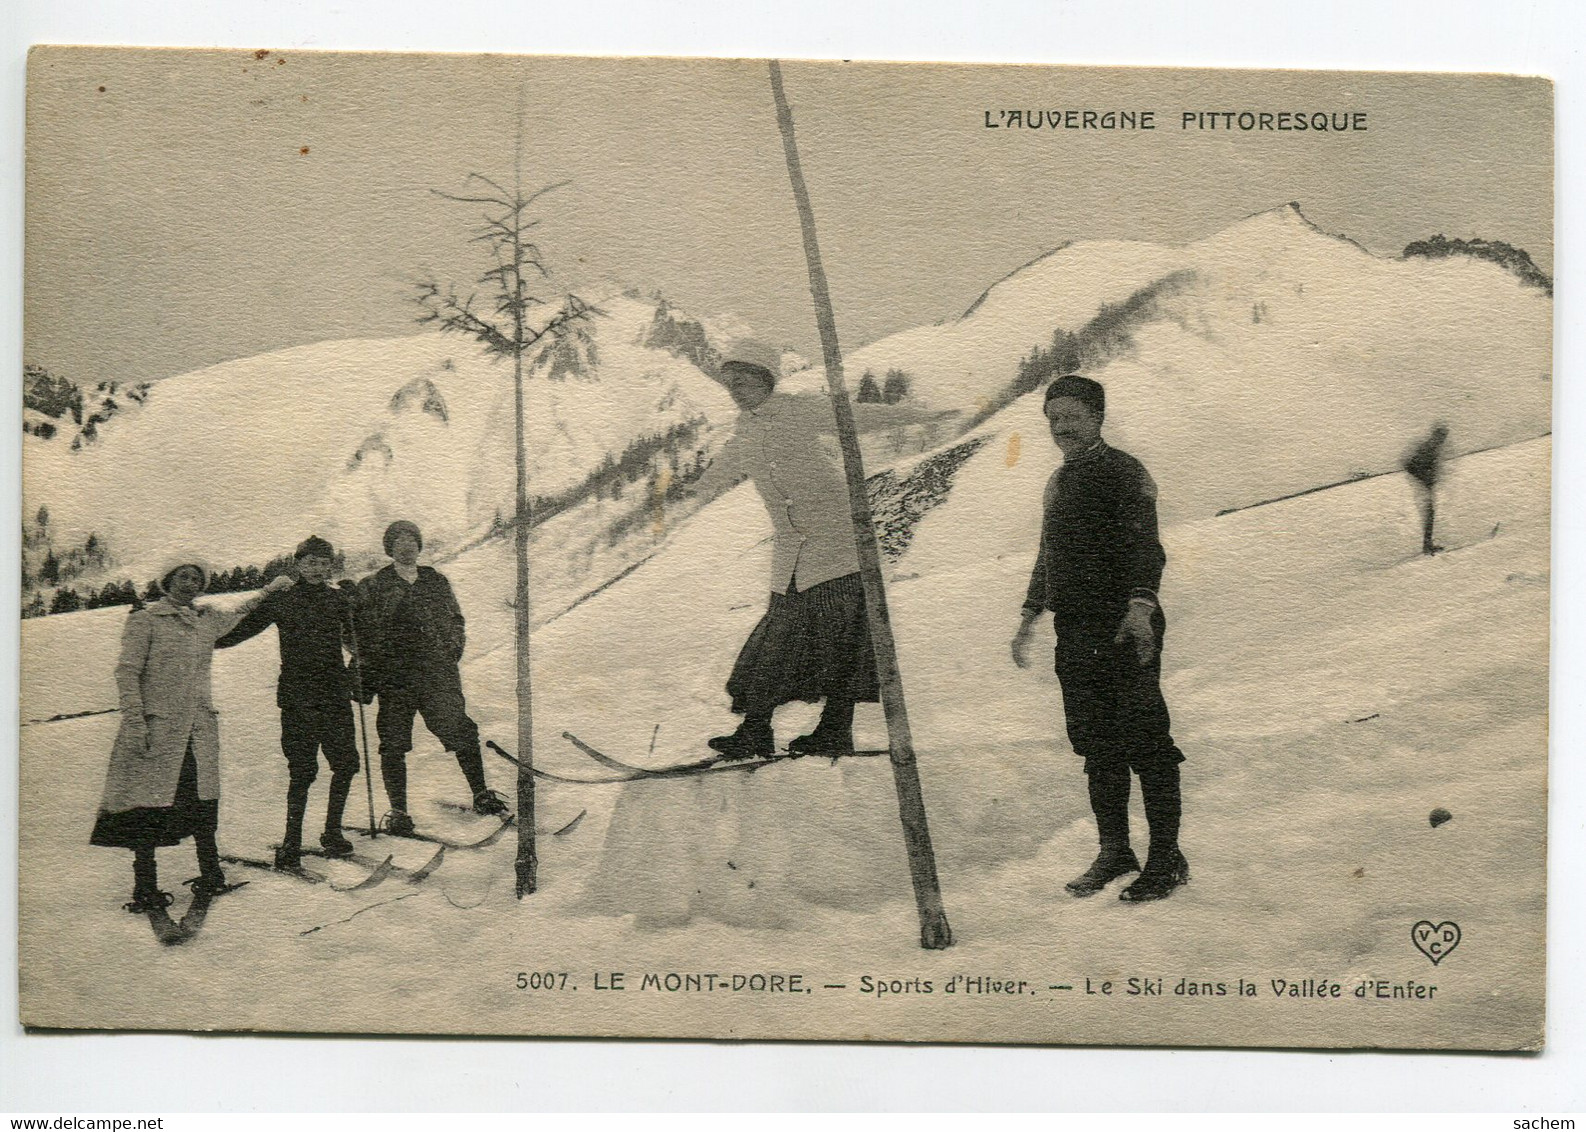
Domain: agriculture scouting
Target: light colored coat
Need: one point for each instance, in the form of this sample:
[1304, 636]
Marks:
[787, 447]
[162, 679]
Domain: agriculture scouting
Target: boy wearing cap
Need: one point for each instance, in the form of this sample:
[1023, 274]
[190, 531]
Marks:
[312, 622]
[410, 639]
[1099, 565]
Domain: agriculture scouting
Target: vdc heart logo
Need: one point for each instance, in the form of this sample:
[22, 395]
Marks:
[1435, 940]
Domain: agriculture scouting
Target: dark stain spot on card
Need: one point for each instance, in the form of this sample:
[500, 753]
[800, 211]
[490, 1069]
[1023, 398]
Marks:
[260, 54]
[303, 152]
[1360, 872]
[101, 90]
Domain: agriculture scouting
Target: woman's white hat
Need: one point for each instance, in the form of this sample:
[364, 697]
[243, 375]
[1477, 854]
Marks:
[176, 562]
[753, 352]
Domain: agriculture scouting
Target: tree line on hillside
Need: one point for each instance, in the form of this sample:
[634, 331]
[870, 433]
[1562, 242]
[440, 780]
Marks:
[52, 399]
[1507, 256]
[238, 579]
[1103, 338]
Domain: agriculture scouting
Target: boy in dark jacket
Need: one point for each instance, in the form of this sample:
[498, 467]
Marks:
[313, 622]
[1098, 569]
[410, 639]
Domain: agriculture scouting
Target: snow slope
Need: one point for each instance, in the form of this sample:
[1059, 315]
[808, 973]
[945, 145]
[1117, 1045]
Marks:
[1281, 346]
[1328, 689]
[243, 459]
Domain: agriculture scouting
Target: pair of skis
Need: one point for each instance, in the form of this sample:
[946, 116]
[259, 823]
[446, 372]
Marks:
[628, 772]
[379, 870]
[174, 933]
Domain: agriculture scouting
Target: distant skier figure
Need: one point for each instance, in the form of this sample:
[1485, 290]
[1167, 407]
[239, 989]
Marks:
[313, 624]
[1425, 466]
[163, 782]
[410, 641]
[1098, 569]
[814, 641]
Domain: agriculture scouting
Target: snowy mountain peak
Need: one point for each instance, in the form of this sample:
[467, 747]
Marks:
[1279, 230]
[352, 434]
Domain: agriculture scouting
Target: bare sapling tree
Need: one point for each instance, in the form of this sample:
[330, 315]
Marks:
[513, 319]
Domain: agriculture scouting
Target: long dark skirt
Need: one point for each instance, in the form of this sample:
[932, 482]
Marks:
[808, 646]
[148, 826]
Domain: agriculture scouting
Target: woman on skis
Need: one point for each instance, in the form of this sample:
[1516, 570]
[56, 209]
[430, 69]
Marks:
[814, 641]
[163, 783]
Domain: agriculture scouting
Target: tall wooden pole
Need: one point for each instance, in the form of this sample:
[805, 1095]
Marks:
[934, 932]
[527, 865]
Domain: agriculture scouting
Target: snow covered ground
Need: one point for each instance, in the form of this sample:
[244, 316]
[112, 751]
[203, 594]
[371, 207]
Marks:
[1328, 686]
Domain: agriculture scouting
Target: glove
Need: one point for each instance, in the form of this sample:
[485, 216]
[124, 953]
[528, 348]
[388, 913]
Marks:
[1021, 646]
[1136, 629]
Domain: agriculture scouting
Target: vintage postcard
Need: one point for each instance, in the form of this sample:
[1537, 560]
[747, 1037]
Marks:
[805, 550]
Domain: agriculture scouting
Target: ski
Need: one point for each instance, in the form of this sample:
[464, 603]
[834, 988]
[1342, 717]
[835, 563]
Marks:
[300, 873]
[710, 766]
[166, 930]
[380, 873]
[615, 764]
[412, 876]
[687, 770]
[198, 908]
[548, 775]
[424, 870]
[444, 842]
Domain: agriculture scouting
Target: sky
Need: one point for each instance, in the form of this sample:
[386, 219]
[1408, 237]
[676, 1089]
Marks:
[189, 207]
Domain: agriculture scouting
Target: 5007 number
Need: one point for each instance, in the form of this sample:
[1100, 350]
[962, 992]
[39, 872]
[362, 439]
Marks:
[544, 980]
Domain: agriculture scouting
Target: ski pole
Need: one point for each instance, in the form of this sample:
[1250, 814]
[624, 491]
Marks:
[363, 722]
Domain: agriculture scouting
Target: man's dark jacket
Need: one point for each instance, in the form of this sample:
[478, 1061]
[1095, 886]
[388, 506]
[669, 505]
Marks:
[1099, 544]
[408, 634]
[311, 621]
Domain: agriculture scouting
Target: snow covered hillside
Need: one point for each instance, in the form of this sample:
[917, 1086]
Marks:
[1329, 688]
[243, 459]
[1266, 342]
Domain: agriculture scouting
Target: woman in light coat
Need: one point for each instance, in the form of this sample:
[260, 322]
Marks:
[163, 784]
[814, 641]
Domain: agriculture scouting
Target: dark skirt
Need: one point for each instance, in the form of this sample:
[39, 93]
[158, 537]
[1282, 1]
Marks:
[147, 826]
[808, 646]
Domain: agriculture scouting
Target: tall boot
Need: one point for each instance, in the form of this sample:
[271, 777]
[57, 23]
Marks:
[333, 841]
[473, 764]
[146, 894]
[486, 800]
[833, 735]
[1165, 866]
[1109, 801]
[394, 774]
[210, 875]
[289, 855]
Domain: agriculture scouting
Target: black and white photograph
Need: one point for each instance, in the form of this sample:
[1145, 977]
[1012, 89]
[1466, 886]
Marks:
[738, 549]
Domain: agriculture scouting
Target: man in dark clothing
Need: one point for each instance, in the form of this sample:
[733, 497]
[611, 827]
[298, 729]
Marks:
[410, 640]
[313, 622]
[1425, 466]
[1098, 569]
